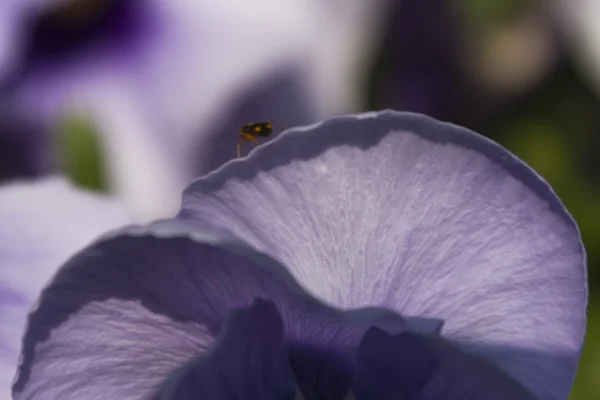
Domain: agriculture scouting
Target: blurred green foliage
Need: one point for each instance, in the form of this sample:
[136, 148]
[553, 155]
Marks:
[490, 12]
[80, 153]
[587, 385]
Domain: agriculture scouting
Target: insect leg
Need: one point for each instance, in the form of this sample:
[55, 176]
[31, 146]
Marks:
[276, 124]
[239, 150]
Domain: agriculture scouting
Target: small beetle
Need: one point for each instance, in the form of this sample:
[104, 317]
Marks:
[251, 131]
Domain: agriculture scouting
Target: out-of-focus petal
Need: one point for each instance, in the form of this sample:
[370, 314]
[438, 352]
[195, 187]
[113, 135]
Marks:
[185, 73]
[143, 167]
[430, 81]
[135, 306]
[42, 223]
[429, 219]
[346, 36]
[419, 367]
[579, 19]
[89, 57]
[24, 146]
[12, 14]
[280, 97]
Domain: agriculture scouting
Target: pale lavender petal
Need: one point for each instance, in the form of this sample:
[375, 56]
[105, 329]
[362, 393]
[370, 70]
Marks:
[140, 303]
[42, 222]
[429, 219]
[347, 35]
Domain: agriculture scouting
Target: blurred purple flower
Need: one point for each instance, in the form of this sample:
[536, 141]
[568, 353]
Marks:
[43, 223]
[431, 80]
[23, 146]
[472, 270]
[163, 79]
[463, 68]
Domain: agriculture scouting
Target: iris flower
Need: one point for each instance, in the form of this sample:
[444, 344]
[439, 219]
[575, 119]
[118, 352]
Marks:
[169, 83]
[383, 255]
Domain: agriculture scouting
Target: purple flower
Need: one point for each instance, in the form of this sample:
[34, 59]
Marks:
[169, 83]
[385, 255]
[35, 237]
[23, 146]
[430, 81]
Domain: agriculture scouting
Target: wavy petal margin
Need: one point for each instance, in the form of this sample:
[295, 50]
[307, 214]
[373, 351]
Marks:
[430, 219]
[42, 223]
[128, 311]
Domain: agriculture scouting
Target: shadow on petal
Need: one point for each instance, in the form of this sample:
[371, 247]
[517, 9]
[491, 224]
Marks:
[418, 367]
[158, 296]
[247, 362]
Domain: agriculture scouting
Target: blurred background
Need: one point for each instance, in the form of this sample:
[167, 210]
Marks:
[137, 97]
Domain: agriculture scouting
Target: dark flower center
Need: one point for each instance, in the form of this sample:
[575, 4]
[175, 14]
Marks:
[23, 146]
[253, 360]
[320, 374]
[75, 26]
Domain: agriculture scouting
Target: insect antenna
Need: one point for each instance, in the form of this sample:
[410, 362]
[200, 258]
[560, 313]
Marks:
[276, 124]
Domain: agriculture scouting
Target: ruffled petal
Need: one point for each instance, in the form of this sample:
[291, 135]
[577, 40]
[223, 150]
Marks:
[429, 219]
[134, 307]
[248, 362]
[42, 223]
